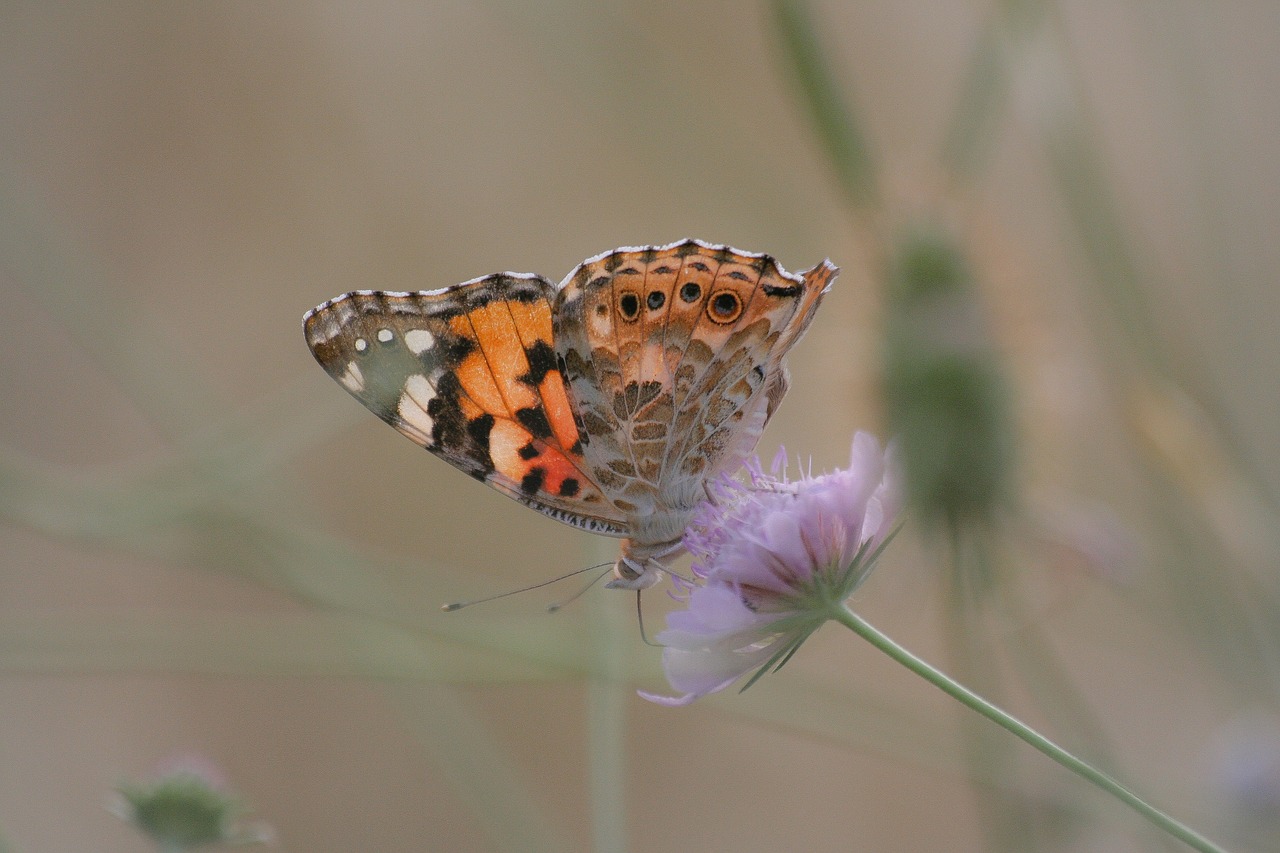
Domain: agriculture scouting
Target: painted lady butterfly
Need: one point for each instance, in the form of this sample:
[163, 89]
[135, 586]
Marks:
[605, 402]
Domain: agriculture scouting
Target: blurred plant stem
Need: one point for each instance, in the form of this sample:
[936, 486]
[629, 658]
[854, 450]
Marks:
[835, 120]
[466, 754]
[1022, 731]
[1021, 35]
[1023, 44]
[1175, 430]
[838, 127]
[608, 696]
[1047, 679]
[1004, 812]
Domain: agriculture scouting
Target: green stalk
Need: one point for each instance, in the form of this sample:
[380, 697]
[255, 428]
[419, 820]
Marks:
[955, 690]
[836, 122]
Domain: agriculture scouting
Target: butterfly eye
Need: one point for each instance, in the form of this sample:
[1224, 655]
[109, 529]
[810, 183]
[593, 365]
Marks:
[629, 305]
[724, 307]
[690, 292]
[656, 300]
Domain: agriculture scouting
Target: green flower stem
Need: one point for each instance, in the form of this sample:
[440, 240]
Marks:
[868, 632]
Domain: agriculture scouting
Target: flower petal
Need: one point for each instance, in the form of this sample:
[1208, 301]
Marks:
[771, 557]
[711, 670]
[715, 616]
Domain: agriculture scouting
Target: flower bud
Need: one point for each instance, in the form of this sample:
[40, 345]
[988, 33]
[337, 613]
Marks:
[186, 806]
[945, 398]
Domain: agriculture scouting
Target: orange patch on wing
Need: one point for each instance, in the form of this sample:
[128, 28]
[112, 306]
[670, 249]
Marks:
[555, 401]
[551, 470]
[478, 383]
[533, 320]
[473, 372]
[499, 340]
[469, 409]
[652, 364]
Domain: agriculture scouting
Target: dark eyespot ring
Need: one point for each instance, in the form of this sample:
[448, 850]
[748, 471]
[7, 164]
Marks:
[690, 291]
[629, 305]
[724, 307]
[656, 299]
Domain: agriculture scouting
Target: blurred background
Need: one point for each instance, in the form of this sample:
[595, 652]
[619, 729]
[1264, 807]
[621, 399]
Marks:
[1057, 228]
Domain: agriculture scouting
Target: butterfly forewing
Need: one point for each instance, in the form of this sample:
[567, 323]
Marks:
[469, 373]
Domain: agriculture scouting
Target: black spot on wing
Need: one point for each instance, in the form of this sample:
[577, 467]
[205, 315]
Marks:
[448, 426]
[573, 366]
[776, 290]
[528, 452]
[535, 421]
[455, 348]
[533, 481]
[479, 430]
[569, 487]
[542, 360]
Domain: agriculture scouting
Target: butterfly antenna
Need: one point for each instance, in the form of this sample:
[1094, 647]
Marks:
[554, 607]
[458, 605]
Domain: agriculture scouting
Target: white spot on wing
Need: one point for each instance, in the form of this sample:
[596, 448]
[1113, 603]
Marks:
[385, 336]
[419, 340]
[413, 405]
[352, 379]
[361, 345]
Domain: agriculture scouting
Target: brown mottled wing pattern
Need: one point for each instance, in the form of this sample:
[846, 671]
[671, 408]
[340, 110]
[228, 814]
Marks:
[470, 373]
[674, 361]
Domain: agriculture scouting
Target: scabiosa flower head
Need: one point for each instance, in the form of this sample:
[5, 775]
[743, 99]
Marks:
[187, 805]
[772, 558]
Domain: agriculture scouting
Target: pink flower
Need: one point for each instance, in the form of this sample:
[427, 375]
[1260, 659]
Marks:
[773, 557]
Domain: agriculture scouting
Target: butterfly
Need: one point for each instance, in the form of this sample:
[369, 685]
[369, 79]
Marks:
[607, 401]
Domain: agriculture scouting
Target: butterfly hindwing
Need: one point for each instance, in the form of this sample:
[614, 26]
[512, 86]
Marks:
[469, 373]
[673, 356]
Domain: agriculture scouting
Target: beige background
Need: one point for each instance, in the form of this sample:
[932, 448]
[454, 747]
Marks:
[206, 546]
